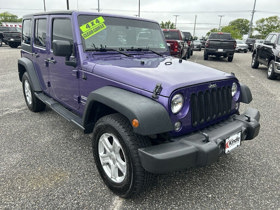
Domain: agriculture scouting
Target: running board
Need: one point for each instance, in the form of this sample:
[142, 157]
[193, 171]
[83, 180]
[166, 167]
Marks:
[61, 110]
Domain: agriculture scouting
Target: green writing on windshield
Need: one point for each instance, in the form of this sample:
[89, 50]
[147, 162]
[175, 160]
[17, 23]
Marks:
[93, 27]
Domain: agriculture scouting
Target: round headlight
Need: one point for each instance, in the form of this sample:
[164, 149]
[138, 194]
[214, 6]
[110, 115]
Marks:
[233, 89]
[177, 103]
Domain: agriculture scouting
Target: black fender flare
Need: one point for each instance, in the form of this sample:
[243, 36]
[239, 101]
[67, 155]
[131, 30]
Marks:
[152, 116]
[29, 67]
[246, 95]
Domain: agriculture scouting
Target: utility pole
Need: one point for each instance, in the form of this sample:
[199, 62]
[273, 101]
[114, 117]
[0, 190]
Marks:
[138, 8]
[220, 21]
[194, 25]
[176, 20]
[44, 5]
[67, 2]
[251, 23]
[98, 8]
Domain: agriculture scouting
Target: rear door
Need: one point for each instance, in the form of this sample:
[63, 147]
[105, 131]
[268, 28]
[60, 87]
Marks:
[41, 50]
[63, 79]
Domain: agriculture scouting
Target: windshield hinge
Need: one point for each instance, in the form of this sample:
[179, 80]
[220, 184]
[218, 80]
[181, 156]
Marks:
[157, 91]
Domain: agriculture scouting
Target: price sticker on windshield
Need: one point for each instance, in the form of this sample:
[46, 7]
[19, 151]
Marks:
[93, 27]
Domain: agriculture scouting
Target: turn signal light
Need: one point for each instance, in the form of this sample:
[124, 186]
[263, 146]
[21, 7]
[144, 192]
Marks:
[135, 123]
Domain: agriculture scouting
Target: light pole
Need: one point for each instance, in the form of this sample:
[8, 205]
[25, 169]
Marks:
[44, 5]
[176, 20]
[138, 8]
[251, 23]
[67, 3]
[98, 7]
[194, 25]
[220, 21]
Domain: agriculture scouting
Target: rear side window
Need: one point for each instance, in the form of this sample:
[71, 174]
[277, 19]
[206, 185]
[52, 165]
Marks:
[62, 30]
[171, 35]
[40, 32]
[26, 31]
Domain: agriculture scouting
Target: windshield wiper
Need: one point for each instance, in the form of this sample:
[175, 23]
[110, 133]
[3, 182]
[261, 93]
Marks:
[144, 49]
[105, 49]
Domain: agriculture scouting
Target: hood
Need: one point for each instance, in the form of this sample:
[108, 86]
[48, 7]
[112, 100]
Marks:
[146, 73]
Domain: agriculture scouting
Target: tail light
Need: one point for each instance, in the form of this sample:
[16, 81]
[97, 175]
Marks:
[207, 43]
[189, 43]
[176, 46]
[234, 45]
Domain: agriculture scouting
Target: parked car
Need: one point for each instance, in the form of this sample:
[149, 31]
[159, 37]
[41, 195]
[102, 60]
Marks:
[178, 46]
[220, 44]
[10, 36]
[189, 40]
[149, 113]
[258, 42]
[250, 42]
[241, 46]
[268, 54]
[197, 45]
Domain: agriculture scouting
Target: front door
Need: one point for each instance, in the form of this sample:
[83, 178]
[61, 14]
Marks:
[64, 86]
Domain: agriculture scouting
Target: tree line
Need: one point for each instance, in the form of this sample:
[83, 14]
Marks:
[240, 27]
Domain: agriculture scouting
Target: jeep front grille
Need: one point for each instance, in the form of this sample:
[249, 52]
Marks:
[210, 105]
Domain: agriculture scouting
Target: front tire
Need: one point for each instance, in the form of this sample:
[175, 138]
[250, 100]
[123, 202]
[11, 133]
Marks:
[271, 70]
[115, 150]
[255, 63]
[32, 102]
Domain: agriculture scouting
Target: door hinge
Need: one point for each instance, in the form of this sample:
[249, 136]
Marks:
[49, 84]
[79, 99]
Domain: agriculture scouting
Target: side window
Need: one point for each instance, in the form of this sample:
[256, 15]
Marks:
[273, 39]
[26, 31]
[62, 30]
[40, 32]
[268, 38]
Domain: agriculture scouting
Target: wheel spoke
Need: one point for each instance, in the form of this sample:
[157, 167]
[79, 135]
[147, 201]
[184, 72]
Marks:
[114, 171]
[106, 143]
[121, 165]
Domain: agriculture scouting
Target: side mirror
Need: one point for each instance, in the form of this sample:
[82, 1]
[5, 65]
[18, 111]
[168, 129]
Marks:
[65, 49]
[62, 48]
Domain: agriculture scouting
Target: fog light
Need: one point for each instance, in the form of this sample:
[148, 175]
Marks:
[177, 126]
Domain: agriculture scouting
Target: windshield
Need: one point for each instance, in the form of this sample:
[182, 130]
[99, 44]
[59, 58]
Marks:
[99, 32]
[240, 42]
[220, 36]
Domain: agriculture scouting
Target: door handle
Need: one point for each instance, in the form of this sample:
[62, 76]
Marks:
[50, 60]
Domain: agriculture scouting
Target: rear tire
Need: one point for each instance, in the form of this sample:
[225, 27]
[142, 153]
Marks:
[230, 58]
[205, 56]
[32, 102]
[115, 150]
[271, 70]
[255, 63]
[13, 45]
[1, 42]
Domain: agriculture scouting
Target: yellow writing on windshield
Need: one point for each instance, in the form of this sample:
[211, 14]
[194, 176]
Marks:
[93, 27]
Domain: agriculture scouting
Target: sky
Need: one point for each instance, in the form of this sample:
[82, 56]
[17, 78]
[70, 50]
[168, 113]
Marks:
[208, 13]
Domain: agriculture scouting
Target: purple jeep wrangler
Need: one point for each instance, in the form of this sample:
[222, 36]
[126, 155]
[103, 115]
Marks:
[149, 113]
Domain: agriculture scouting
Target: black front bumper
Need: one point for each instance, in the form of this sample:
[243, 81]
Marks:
[201, 148]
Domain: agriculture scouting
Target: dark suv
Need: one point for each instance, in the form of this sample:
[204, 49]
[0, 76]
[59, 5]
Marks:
[10, 36]
[149, 113]
[268, 54]
[250, 42]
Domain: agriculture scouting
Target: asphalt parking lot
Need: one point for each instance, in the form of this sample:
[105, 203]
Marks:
[47, 162]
